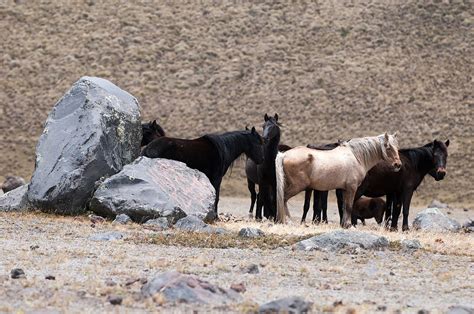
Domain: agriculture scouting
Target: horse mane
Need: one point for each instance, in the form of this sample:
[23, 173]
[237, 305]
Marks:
[366, 148]
[223, 142]
[416, 154]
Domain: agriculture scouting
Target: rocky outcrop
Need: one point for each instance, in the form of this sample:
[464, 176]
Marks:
[432, 219]
[92, 132]
[343, 239]
[14, 200]
[152, 188]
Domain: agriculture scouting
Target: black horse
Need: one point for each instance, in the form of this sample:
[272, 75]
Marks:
[150, 132]
[211, 154]
[264, 174]
[399, 186]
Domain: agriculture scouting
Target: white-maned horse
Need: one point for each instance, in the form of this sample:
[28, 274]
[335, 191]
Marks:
[344, 168]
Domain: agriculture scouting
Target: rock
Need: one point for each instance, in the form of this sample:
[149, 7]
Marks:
[238, 287]
[96, 219]
[286, 305]
[115, 299]
[157, 224]
[432, 219]
[11, 183]
[468, 226]
[107, 236]
[14, 200]
[177, 287]
[50, 277]
[251, 233]
[251, 269]
[91, 133]
[152, 188]
[17, 273]
[411, 244]
[343, 239]
[194, 224]
[460, 309]
[122, 219]
[437, 204]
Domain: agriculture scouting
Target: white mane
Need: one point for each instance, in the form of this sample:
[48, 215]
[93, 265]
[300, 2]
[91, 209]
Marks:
[366, 149]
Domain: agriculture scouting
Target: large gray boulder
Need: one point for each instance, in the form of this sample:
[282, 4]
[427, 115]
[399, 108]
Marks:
[341, 240]
[92, 132]
[432, 219]
[177, 287]
[14, 200]
[152, 188]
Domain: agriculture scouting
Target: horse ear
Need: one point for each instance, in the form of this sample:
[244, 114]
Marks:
[446, 143]
[246, 128]
[153, 123]
[265, 117]
[395, 134]
[386, 137]
[253, 130]
[276, 116]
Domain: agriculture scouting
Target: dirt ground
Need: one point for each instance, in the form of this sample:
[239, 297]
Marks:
[331, 69]
[435, 278]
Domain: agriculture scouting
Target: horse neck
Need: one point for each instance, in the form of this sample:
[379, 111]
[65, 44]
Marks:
[421, 159]
[270, 152]
[236, 144]
[368, 158]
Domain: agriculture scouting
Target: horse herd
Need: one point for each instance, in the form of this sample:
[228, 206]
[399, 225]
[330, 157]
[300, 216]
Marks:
[369, 166]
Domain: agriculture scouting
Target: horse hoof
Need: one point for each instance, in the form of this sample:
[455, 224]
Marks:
[394, 229]
[405, 228]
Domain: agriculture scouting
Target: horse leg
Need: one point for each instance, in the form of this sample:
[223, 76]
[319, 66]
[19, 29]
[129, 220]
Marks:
[216, 183]
[265, 194]
[406, 209]
[397, 205]
[363, 221]
[258, 211]
[316, 206]
[253, 195]
[340, 203]
[388, 211]
[348, 203]
[324, 205]
[354, 220]
[307, 200]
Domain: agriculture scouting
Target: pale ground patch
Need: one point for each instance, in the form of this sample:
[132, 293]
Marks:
[432, 279]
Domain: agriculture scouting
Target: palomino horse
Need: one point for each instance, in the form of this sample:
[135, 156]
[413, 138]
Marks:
[264, 174]
[399, 187]
[150, 132]
[211, 154]
[344, 168]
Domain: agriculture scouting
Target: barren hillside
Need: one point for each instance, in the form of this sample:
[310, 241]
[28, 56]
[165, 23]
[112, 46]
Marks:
[331, 69]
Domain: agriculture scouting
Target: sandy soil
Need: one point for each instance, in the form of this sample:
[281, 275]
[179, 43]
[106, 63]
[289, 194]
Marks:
[439, 276]
[331, 69]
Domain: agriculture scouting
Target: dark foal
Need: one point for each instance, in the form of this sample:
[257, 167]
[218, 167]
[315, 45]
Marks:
[150, 132]
[366, 208]
[399, 186]
[264, 174]
[211, 154]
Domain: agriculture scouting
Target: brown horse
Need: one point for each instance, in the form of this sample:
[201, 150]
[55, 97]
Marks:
[365, 208]
[344, 168]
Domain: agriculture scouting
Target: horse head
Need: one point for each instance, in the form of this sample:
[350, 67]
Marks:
[440, 159]
[390, 150]
[271, 127]
[150, 132]
[255, 150]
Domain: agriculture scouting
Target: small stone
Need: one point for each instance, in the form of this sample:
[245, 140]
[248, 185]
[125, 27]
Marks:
[251, 233]
[194, 224]
[122, 219]
[96, 219]
[157, 224]
[392, 273]
[110, 282]
[432, 219]
[115, 299]
[382, 308]
[34, 247]
[411, 244]
[286, 305]
[238, 287]
[107, 236]
[50, 277]
[423, 311]
[17, 273]
[251, 269]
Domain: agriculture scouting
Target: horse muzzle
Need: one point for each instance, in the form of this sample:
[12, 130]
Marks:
[397, 166]
[440, 173]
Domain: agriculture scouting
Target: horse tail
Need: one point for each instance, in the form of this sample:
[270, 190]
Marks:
[282, 211]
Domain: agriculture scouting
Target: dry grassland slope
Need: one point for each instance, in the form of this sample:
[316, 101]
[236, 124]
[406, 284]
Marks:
[331, 69]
